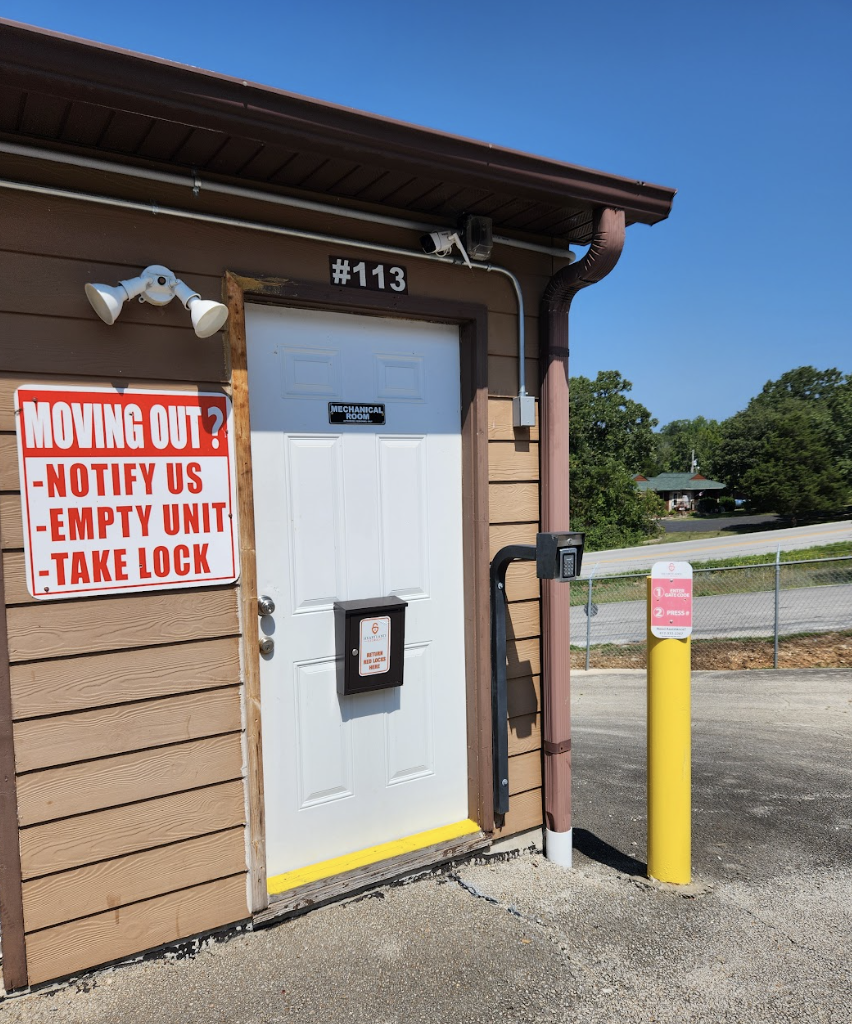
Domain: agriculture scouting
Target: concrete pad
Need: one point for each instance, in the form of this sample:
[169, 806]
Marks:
[762, 934]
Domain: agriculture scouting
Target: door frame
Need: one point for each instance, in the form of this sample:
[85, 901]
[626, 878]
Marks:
[472, 321]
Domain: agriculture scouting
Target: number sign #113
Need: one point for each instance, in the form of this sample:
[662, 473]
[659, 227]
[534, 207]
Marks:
[375, 277]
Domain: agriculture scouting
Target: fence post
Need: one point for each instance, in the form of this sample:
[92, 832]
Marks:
[777, 601]
[589, 616]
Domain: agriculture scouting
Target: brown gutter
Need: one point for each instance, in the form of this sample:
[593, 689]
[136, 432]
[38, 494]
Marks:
[555, 613]
[81, 71]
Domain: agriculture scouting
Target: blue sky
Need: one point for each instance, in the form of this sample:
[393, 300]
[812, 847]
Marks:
[742, 105]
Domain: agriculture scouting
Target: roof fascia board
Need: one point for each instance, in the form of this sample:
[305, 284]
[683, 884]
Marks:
[108, 77]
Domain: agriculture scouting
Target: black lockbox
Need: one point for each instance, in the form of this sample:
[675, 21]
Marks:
[559, 556]
[371, 639]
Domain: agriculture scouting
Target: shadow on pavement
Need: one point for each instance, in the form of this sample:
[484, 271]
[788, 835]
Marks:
[595, 848]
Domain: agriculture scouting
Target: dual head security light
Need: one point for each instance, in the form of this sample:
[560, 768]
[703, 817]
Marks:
[157, 285]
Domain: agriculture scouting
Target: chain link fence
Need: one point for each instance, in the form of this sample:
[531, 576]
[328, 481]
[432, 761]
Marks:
[778, 614]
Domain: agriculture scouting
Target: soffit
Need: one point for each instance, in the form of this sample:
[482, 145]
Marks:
[69, 93]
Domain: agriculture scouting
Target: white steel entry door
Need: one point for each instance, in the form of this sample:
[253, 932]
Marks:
[345, 512]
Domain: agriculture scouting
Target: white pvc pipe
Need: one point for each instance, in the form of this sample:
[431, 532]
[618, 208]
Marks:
[559, 847]
[196, 185]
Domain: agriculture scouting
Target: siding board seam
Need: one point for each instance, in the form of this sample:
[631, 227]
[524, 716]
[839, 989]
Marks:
[131, 803]
[121, 753]
[60, 715]
[69, 257]
[145, 899]
[141, 849]
[131, 853]
[121, 650]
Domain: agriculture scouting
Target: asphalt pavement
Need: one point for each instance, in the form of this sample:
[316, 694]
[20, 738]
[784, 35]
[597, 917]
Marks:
[687, 524]
[761, 935]
[642, 557]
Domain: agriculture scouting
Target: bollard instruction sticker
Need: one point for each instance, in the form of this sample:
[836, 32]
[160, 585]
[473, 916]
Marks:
[671, 600]
[125, 490]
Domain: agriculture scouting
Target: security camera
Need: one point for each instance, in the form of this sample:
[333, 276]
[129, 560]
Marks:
[439, 243]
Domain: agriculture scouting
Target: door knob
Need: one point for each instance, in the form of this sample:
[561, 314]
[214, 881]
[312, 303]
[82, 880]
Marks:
[265, 606]
[267, 645]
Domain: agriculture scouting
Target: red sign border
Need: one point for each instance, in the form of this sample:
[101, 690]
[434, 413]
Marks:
[126, 588]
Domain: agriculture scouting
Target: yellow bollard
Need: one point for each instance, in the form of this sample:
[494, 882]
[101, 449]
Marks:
[669, 758]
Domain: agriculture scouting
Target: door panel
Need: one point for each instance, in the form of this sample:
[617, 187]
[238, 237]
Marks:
[404, 529]
[408, 733]
[325, 772]
[317, 516]
[348, 512]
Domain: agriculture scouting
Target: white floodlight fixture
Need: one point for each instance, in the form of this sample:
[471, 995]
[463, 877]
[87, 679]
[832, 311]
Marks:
[208, 316]
[158, 286]
[107, 301]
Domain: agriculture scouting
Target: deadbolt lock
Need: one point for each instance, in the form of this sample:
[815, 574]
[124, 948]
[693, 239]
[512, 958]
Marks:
[267, 645]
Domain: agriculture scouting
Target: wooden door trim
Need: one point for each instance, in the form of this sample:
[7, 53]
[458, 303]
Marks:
[472, 320]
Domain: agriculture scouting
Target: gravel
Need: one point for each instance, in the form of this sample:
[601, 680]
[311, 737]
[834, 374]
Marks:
[762, 934]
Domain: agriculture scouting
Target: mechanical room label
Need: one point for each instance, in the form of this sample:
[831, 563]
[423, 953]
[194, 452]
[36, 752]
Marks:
[374, 653]
[125, 490]
[671, 600]
[356, 412]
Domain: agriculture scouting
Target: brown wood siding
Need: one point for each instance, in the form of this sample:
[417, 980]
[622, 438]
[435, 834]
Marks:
[127, 714]
[128, 734]
[514, 519]
[100, 938]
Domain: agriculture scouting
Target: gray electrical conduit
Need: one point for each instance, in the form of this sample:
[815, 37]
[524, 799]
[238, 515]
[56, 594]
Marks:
[310, 236]
[195, 183]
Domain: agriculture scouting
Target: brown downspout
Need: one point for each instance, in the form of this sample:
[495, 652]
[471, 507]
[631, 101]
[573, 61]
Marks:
[556, 639]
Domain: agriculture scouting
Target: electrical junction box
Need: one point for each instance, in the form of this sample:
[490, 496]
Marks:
[371, 638]
[523, 411]
[476, 234]
[559, 556]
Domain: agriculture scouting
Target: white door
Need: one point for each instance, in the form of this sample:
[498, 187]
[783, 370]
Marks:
[345, 512]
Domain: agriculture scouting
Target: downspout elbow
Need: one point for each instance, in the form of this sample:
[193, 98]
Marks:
[603, 254]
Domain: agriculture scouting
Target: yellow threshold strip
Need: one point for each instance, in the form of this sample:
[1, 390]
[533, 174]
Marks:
[361, 858]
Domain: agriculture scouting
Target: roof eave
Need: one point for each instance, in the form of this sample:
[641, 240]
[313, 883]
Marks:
[96, 73]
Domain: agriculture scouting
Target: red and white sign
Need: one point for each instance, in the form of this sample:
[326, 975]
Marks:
[671, 600]
[125, 490]
[374, 656]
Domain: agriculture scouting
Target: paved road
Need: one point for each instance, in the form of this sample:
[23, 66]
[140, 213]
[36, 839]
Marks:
[762, 937]
[811, 609]
[690, 525]
[632, 559]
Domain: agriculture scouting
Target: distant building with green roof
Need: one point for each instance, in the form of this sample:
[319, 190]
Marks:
[679, 490]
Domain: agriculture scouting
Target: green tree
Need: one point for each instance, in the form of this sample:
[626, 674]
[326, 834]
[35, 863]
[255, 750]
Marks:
[804, 383]
[779, 453]
[611, 440]
[677, 441]
[827, 395]
[605, 422]
[607, 507]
